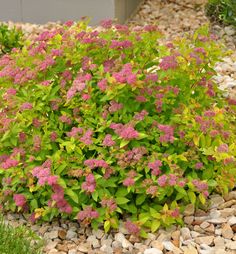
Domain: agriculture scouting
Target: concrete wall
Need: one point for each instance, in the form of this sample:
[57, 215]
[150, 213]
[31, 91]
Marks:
[42, 11]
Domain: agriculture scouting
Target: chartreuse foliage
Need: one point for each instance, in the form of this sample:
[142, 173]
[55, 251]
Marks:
[105, 125]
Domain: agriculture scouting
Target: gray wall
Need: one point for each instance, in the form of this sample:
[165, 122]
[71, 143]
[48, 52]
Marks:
[42, 11]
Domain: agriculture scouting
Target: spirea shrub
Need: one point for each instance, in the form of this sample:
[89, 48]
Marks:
[113, 125]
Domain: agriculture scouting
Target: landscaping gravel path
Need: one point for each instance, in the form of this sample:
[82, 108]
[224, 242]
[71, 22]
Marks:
[206, 232]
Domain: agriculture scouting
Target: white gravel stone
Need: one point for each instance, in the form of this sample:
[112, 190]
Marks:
[153, 251]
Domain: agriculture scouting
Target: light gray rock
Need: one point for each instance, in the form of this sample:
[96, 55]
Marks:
[73, 251]
[229, 30]
[121, 238]
[185, 233]
[98, 233]
[107, 249]
[71, 234]
[51, 235]
[232, 221]
[153, 251]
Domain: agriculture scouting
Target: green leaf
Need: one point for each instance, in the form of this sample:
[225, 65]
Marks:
[95, 196]
[140, 199]
[202, 198]
[72, 195]
[107, 226]
[124, 143]
[192, 197]
[155, 225]
[121, 200]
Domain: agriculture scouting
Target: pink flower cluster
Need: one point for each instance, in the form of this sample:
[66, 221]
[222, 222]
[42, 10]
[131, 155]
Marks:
[36, 143]
[65, 119]
[20, 200]
[223, 148]
[43, 173]
[126, 75]
[125, 131]
[87, 214]
[170, 180]
[26, 106]
[110, 203]
[58, 197]
[132, 228]
[120, 45]
[74, 132]
[90, 184]
[87, 137]
[9, 163]
[132, 157]
[129, 181]
[115, 106]
[78, 85]
[155, 166]
[102, 84]
[95, 163]
[168, 133]
[108, 141]
[201, 186]
[141, 115]
[168, 62]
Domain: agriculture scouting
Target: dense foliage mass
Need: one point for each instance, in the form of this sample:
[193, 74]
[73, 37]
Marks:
[113, 124]
[9, 39]
[222, 11]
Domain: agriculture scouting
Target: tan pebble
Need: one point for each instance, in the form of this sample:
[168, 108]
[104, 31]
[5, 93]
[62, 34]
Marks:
[227, 231]
[157, 244]
[204, 225]
[204, 240]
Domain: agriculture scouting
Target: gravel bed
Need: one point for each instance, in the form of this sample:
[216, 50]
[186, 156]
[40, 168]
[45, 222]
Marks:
[205, 232]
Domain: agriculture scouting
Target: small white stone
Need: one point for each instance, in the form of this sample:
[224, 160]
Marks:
[232, 221]
[153, 251]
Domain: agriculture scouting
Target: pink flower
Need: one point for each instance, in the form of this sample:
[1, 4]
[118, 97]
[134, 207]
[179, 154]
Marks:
[152, 190]
[106, 23]
[102, 85]
[128, 132]
[155, 166]
[175, 213]
[26, 106]
[209, 113]
[109, 203]
[132, 228]
[94, 163]
[198, 165]
[162, 180]
[108, 141]
[9, 163]
[53, 136]
[85, 96]
[87, 137]
[223, 148]
[20, 200]
[115, 106]
[168, 62]
[141, 115]
[128, 182]
[141, 98]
